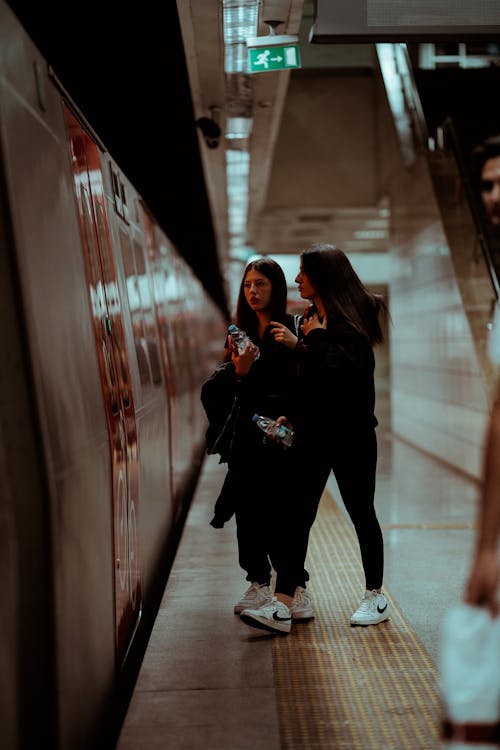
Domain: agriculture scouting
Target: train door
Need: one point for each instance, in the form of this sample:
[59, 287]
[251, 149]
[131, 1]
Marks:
[115, 377]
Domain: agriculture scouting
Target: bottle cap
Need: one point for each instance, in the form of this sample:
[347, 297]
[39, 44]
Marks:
[255, 417]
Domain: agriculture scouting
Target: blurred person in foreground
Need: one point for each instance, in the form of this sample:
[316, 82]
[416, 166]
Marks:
[482, 585]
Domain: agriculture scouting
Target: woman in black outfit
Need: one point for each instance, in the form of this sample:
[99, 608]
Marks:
[334, 418]
[258, 468]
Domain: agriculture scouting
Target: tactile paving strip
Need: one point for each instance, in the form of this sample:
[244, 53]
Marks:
[352, 688]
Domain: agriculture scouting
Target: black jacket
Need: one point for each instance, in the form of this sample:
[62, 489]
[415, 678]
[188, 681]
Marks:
[230, 404]
[220, 399]
[335, 384]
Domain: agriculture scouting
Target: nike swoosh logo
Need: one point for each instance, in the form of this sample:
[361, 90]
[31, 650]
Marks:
[381, 610]
[280, 619]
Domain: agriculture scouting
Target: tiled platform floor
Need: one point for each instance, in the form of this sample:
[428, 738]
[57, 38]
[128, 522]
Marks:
[207, 680]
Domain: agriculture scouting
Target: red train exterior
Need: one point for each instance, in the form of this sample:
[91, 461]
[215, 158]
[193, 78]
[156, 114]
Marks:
[107, 336]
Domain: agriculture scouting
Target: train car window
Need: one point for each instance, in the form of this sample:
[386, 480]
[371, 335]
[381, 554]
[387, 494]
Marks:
[111, 291]
[124, 201]
[146, 295]
[140, 264]
[128, 263]
[109, 277]
[168, 300]
[142, 361]
[135, 308]
[99, 309]
[92, 253]
[122, 358]
[154, 359]
[116, 191]
[119, 195]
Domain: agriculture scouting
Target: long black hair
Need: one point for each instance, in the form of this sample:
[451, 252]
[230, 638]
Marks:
[342, 293]
[245, 317]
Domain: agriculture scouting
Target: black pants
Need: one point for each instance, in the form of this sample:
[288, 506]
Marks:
[263, 515]
[353, 459]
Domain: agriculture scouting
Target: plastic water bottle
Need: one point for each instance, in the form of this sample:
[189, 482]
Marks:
[279, 432]
[239, 339]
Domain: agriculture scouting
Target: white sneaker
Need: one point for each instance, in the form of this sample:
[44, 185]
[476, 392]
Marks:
[255, 596]
[301, 608]
[373, 609]
[274, 617]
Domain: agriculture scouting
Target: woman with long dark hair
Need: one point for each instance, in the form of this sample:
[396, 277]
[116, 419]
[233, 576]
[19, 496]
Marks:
[258, 469]
[334, 419]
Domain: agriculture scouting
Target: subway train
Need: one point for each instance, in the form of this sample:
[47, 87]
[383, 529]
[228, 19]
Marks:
[107, 336]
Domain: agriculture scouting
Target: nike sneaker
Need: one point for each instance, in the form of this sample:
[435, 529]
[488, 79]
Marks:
[301, 608]
[275, 617]
[373, 609]
[255, 596]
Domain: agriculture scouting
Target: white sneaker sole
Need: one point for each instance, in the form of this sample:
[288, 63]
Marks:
[239, 608]
[355, 623]
[264, 623]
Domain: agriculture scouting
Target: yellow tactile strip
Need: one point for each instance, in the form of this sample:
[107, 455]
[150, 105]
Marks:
[345, 688]
[431, 526]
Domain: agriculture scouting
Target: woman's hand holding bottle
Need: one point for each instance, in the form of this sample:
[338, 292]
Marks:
[245, 352]
[243, 362]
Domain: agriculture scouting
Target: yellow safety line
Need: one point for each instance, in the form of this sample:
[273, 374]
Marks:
[345, 688]
[439, 526]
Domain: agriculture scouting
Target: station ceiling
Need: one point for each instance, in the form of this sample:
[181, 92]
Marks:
[142, 80]
[144, 75]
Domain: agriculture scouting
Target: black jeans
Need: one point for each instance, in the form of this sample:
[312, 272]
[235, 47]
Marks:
[353, 458]
[262, 512]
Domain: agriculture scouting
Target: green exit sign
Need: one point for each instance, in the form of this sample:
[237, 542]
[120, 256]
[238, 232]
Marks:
[273, 53]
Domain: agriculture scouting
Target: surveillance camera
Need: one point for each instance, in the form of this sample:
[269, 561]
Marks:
[211, 131]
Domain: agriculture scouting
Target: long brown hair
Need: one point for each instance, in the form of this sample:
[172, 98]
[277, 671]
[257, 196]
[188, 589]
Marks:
[342, 293]
[245, 317]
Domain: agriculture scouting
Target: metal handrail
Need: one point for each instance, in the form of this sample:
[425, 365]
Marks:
[414, 103]
[404, 100]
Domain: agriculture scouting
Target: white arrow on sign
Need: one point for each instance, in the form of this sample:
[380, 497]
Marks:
[277, 59]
